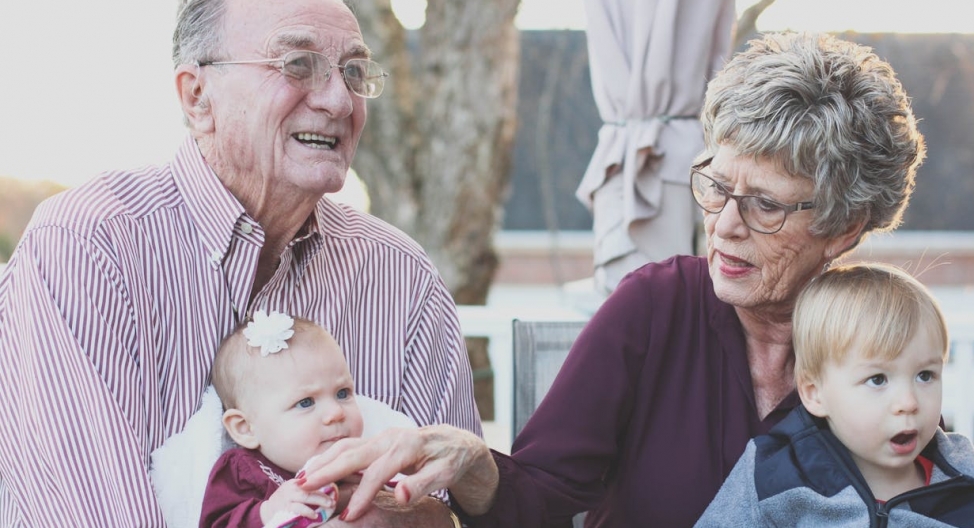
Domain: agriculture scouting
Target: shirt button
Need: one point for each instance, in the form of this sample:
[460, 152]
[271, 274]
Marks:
[247, 228]
[215, 256]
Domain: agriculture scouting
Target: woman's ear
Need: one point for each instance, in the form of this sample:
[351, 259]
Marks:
[193, 101]
[844, 242]
[811, 395]
[236, 424]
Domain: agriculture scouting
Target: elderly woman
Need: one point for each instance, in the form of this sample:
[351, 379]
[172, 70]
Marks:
[811, 145]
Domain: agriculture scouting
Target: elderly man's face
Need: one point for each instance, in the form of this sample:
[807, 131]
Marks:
[268, 134]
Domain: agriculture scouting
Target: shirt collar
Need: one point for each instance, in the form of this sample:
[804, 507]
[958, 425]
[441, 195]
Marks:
[212, 208]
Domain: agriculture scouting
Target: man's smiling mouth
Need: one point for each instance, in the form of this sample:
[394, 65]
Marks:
[317, 141]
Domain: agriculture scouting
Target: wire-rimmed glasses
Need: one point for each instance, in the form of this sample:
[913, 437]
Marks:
[759, 214]
[310, 70]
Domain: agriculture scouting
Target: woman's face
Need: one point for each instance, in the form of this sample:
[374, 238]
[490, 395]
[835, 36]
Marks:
[753, 270]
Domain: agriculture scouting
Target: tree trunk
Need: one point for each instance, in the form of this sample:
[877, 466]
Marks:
[436, 151]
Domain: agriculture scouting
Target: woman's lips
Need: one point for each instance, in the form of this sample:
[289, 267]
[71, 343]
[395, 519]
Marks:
[733, 266]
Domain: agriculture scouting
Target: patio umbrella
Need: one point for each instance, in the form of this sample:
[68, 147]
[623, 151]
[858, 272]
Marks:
[650, 61]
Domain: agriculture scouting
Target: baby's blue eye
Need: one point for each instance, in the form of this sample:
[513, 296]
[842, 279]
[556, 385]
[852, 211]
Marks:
[925, 375]
[344, 394]
[306, 402]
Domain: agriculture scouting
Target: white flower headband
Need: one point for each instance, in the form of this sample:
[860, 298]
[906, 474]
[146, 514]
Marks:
[269, 331]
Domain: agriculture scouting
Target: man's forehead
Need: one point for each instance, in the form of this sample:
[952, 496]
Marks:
[344, 46]
[314, 25]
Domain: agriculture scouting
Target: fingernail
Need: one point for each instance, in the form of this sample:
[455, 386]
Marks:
[343, 515]
[405, 492]
[301, 481]
[300, 474]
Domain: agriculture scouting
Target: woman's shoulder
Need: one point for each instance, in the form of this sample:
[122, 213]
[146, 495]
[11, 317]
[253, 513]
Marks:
[678, 277]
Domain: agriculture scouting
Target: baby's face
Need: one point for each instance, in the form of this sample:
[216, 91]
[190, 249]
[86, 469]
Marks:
[885, 411]
[302, 401]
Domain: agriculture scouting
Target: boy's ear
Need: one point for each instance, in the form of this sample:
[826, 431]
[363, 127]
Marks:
[811, 395]
[236, 424]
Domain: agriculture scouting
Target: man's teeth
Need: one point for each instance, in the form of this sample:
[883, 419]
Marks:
[316, 140]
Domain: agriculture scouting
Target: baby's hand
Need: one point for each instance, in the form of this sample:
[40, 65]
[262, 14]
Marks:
[290, 502]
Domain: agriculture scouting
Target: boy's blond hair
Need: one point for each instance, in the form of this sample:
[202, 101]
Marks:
[234, 362]
[876, 307]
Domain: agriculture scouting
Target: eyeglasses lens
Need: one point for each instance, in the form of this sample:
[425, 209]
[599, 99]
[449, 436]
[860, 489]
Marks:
[310, 71]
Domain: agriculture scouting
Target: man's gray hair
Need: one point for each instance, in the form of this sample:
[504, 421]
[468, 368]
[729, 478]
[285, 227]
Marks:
[198, 34]
[825, 109]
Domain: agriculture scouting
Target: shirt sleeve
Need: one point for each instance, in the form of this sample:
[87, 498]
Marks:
[438, 383]
[70, 394]
[572, 440]
[232, 498]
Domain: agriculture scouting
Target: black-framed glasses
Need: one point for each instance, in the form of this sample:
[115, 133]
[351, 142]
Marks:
[310, 70]
[759, 214]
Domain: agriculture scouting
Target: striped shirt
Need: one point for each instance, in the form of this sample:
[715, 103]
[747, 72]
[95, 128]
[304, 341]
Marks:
[115, 301]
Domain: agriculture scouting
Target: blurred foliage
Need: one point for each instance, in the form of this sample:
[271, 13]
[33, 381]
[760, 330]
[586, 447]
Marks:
[18, 198]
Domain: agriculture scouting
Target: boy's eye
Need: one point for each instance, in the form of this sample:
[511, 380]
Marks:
[305, 403]
[876, 380]
[343, 394]
[926, 375]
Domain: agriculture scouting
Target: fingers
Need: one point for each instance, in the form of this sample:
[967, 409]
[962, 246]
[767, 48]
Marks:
[433, 457]
[344, 458]
[421, 453]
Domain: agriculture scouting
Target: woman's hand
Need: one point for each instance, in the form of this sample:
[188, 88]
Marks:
[432, 457]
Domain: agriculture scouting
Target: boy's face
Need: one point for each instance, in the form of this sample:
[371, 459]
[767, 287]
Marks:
[301, 400]
[884, 411]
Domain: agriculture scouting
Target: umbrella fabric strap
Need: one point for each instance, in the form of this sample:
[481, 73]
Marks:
[662, 119]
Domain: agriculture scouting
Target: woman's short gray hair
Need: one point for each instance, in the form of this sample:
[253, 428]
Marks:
[197, 37]
[825, 109]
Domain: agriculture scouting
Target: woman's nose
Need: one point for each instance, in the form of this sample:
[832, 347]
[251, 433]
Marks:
[728, 223]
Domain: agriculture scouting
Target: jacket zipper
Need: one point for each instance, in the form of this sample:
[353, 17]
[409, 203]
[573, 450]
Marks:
[882, 510]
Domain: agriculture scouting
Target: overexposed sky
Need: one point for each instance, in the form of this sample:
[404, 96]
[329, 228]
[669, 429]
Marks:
[88, 87]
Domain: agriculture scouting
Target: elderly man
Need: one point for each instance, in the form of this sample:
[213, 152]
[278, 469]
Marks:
[113, 305]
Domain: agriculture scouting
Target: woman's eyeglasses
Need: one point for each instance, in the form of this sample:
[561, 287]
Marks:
[759, 214]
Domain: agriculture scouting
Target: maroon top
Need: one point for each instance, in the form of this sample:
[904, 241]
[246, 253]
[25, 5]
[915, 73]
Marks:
[649, 414]
[240, 481]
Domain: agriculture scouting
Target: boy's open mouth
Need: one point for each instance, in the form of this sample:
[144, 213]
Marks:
[904, 438]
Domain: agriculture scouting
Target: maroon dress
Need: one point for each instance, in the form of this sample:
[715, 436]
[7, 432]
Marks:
[240, 481]
[650, 412]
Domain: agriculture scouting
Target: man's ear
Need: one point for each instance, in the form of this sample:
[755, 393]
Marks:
[811, 395]
[235, 422]
[189, 87]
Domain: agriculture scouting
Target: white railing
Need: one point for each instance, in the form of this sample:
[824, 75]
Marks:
[958, 408]
[494, 323]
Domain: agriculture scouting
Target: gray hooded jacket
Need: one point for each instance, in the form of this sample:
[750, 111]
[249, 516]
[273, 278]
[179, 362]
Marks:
[800, 475]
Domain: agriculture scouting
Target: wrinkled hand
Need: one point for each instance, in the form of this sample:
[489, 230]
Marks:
[292, 498]
[432, 458]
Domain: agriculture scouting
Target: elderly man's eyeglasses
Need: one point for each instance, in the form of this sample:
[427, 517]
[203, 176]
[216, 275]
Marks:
[309, 70]
[759, 214]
